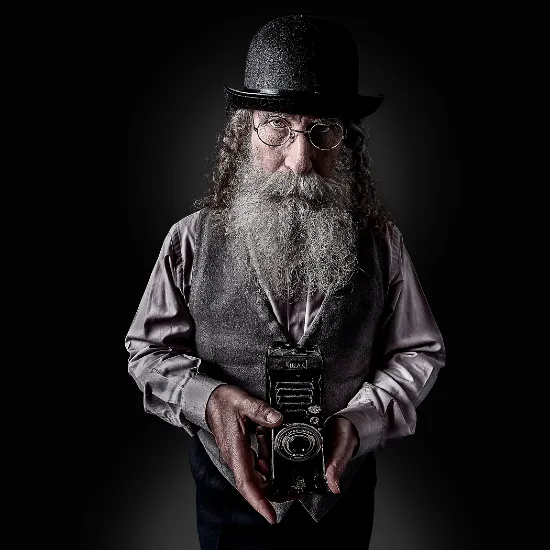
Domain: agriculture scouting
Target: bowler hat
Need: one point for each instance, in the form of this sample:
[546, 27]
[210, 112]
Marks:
[303, 64]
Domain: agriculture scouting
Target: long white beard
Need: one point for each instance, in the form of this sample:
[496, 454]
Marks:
[300, 229]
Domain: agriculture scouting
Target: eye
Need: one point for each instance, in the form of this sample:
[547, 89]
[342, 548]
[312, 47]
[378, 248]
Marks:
[278, 122]
[322, 128]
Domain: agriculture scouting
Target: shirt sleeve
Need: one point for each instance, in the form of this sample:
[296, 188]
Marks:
[411, 354]
[160, 340]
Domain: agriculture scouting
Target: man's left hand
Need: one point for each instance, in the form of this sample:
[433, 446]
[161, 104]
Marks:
[341, 442]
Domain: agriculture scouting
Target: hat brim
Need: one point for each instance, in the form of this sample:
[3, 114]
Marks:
[356, 106]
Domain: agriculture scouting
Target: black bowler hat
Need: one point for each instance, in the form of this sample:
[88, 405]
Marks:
[303, 64]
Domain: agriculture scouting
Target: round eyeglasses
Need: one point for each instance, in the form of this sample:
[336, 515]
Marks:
[277, 131]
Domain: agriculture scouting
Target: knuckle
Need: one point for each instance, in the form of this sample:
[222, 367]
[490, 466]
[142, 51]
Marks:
[255, 407]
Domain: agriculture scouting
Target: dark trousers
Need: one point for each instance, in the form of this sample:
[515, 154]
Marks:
[225, 520]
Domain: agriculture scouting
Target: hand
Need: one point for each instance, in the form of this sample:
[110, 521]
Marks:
[341, 441]
[232, 414]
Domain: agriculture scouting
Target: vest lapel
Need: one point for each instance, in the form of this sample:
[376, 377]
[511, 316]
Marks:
[312, 328]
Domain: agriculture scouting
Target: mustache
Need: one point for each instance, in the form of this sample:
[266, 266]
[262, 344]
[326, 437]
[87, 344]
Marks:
[310, 191]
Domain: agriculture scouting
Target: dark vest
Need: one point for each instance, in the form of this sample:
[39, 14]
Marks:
[234, 326]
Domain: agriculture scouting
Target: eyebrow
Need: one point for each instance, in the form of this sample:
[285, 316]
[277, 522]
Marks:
[268, 114]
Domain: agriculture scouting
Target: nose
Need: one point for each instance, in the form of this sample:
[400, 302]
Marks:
[299, 154]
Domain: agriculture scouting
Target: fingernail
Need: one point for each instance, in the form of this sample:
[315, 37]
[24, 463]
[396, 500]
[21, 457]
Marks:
[273, 417]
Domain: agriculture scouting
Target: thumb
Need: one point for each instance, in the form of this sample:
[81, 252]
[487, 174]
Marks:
[333, 473]
[260, 412]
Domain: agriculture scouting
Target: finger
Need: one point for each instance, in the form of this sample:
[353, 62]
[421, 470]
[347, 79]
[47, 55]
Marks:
[262, 462]
[262, 466]
[337, 462]
[342, 439]
[249, 482]
[262, 435]
[260, 412]
[253, 488]
[333, 478]
[264, 483]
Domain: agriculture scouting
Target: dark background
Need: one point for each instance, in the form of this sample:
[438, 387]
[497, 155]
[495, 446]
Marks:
[144, 99]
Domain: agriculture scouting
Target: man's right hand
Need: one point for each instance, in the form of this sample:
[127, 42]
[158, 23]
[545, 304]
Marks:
[232, 414]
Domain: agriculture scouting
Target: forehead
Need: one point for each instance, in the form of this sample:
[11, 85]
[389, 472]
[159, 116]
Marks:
[294, 118]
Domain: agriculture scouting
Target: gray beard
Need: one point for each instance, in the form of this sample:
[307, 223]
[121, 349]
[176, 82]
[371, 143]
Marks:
[298, 231]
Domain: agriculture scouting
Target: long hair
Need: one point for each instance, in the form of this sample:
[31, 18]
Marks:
[232, 148]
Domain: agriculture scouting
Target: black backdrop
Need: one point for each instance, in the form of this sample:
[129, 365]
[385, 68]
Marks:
[148, 102]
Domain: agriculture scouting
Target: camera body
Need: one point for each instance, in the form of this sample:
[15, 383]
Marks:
[295, 388]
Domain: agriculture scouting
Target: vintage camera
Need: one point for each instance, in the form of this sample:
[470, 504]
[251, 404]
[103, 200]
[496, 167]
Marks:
[295, 388]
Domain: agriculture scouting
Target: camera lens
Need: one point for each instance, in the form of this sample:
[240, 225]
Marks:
[299, 445]
[298, 442]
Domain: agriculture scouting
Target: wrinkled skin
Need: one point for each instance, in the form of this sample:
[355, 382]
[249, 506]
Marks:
[232, 415]
[297, 155]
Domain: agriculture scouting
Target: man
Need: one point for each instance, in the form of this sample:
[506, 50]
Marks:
[292, 245]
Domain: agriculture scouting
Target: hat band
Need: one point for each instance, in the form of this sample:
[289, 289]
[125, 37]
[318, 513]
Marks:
[291, 94]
